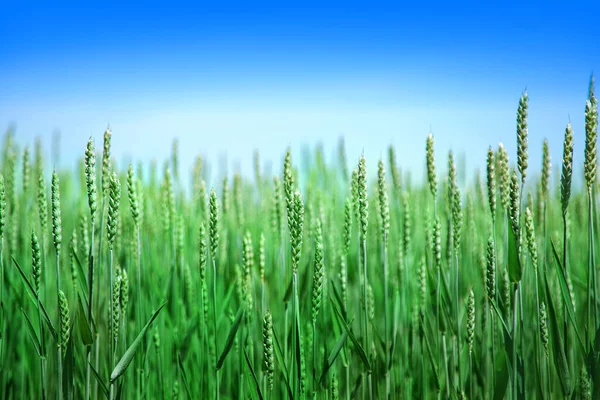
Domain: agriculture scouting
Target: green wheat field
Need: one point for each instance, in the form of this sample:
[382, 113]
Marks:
[344, 280]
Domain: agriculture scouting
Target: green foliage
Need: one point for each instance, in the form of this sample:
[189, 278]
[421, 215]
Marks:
[371, 338]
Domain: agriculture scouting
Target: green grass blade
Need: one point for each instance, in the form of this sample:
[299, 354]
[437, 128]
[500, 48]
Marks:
[83, 282]
[226, 301]
[231, 337]
[361, 352]
[333, 356]
[560, 360]
[253, 374]
[33, 334]
[130, 352]
[432, 360]
[283, 366]
[82, 323]
[35, 298]
[515, 271]
[507, 332]
[564, 289]
[184, 376]
[101, 383]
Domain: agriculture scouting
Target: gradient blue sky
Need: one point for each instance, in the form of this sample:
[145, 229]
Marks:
[242, 75]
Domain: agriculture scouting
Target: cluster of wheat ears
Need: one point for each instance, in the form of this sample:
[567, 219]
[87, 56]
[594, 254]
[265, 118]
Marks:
[313, 283]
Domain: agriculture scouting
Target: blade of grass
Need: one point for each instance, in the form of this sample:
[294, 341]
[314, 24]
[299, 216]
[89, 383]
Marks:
[253, 374]
[130, 352]
[231, 337]
[82, 323]
[34, 300]
[560, 360]
[33, 334]
[101, 383]
[564, 288]
[333, 356]
[283, 366]
[355, 342]
[184, 376]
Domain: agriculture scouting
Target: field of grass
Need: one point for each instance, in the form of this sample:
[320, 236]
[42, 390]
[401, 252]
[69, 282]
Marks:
[322, 282]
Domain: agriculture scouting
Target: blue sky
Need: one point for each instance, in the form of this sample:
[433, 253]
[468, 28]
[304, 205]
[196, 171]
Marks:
[239, 76]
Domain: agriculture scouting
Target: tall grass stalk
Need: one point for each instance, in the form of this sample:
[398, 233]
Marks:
[2, 228]
[384, 212]
[57, 235]
[363, 206]
[590, 166]
[214, 245]
[111, 231]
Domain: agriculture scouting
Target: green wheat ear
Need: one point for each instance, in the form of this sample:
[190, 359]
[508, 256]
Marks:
[114, 200]
[585, 388]
[90, 178]
[347, 233]
[106, 162]
[116, 306]
[42, 205]
[384, 206]
[168, 201]
[431, 176]
[319, 272]
[269, 350]
[261, 257]
[132, 194]
[288, 187]
[124, 291]
[491, 270]
[491, 182]
[522, 131]
[56, 214]
[514, 208]
[72, 253]
[457, 219]
[591, 136]
[202, 251]
[437, 242]
[2, 207]
[65, 321]
[26, 171]
[363, 202]
[335, 394]
[530, 237]
[224, 197]
[504, 175]
[471, 320]
[370, 303]
[213, 224]
[544, 327]
[567, 169]
[406, 223]
[422, 278]
[546, 167]
[277, 218]
[296, 231]
[248, 264]
[452, 183]
[343, 280]
[506, 292]
[36, 262]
